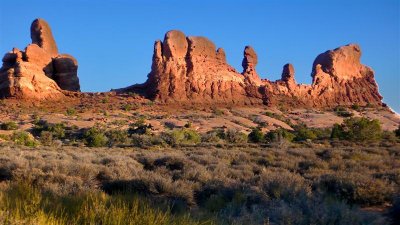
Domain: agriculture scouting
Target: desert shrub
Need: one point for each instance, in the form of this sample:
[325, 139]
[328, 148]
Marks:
[70, 112]
[116, 137]
[152, 184]
[234, 136]
[338, 132]
[318, 210]
[11, 125]
[215, 197]
[302, 133]
[46, 138]
[256, 136]
[355, 107]
[285, 185]
[389, 136]
[358, 129]
[218, 112]
[4, 137]
[127, 107]
[213, 136]
[145, 140]
[23, 138]
[95, 137]
[181, 137]
[171, 163]
[342, 112]
[357, 188]
[329, 154]
[140, 127]
[279, 135]
[57, 130]
[323, 133]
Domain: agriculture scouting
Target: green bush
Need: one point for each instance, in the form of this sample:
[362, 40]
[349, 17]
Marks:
[256, 136]
[11, 125]
[23, 138]
[181, 137]
[140, 127]
[117, 137]
[95, 137]
[338, 132]
[358, 129]
[127, 107]
[71, 112]
[355, 107]
[303, 133]
[342, 112]
[279, 135]
[4, 137]
[57, 129]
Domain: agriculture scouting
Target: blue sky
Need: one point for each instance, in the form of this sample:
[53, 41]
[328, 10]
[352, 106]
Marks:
[113, 40]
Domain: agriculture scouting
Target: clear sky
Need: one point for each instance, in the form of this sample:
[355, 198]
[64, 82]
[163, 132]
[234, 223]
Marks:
[113, 40]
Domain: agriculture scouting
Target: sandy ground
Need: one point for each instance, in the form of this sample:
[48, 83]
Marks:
[120, 111]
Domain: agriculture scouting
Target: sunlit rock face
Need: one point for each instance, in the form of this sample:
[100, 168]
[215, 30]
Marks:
[39, 71]
[192, 70]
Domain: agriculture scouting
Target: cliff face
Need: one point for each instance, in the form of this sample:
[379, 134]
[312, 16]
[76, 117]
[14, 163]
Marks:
[38, 72]
[192, 70]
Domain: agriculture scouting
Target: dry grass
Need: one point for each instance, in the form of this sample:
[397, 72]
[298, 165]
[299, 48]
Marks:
[23, 204]
[245, 185]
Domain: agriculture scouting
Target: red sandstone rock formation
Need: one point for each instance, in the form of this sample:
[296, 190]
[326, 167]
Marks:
[191, 70]
[42, 36]
[38, 72]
